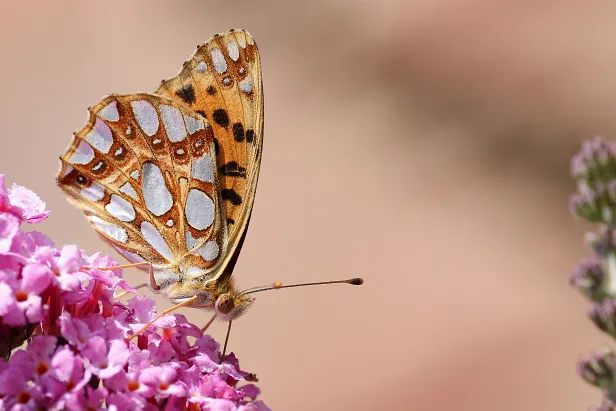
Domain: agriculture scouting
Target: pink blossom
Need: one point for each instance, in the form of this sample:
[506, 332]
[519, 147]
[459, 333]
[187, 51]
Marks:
[87, 398]
[106, 360]
[22, 202]
[23, 305]
[79, 354]
[9, 226]
[27, 204]
[163, 380]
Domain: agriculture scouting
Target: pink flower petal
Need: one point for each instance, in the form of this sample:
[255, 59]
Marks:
[73, 330]
[32, 308]
[14, 316]
[5, 203]
[32, 240]
[70, 259]
[6, 298]
[29, 205]
[118, 353]
[36, 278]
[64, 364]
[9, 226]
[250, 390]
[96, 350]
[42, 347]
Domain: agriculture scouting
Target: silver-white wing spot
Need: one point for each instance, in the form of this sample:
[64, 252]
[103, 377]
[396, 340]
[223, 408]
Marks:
[100, 136]
[156, 240]
[209, 251]
[201, 67]
[246, 85]
[146, 116]
[132, 257]
[110, 230]
[220, 64]
[158, 199]
[128, 189]
[234, 52]
[202, 169]
[110, 112]
[193, 124]
[95, 192]
[66, 172]
[174, 124]
[83, 154]
[120, 208]
[165, 278]
[199, 209]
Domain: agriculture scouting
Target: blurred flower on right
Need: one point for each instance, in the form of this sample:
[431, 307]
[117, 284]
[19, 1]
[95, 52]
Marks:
[594, 170]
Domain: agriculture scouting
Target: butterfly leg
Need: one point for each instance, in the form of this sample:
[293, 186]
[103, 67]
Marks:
[208, 323]
[123, 293]
[141, 264]
[163, 313]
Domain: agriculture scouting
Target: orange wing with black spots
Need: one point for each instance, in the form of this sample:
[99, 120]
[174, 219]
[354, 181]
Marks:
[222, 82]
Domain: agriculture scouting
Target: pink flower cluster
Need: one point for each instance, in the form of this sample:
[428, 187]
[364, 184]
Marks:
[78, 354]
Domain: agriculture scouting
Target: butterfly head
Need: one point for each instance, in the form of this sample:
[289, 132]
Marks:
[220, 295]
[230, 306]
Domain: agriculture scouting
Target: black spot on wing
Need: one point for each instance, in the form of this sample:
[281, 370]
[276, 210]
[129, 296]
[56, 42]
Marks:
[201, 113]
[238, 132]
[230, 220]
[231, 195]
[221, 118]
[186, 93]
[250, 135]
[211, 90]
[232, 169]
[82, 180]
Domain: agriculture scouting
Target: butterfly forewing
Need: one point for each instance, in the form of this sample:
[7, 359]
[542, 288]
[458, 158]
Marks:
[222, 82]
[143, 170]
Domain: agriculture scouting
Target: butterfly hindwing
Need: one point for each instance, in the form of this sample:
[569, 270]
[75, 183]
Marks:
[143, 170]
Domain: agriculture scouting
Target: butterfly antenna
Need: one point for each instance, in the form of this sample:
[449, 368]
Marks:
[278, 285]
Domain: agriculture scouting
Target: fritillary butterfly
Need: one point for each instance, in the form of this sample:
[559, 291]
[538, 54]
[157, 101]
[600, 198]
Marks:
[169, 178]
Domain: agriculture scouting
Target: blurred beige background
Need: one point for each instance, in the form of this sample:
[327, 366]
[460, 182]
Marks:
[423, 145]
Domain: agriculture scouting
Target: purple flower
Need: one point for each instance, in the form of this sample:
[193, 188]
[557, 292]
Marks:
[163, 380]
[22, 202]
[79, 354]
[106, 359]
[74, 330]
[27, 204]
[23, 304]
[594, 170]
[9, 227]
[86, 399]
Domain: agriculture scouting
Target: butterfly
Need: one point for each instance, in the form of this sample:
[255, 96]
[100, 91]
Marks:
[169, 178]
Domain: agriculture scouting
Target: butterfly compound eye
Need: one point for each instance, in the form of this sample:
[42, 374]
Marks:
[225, 303]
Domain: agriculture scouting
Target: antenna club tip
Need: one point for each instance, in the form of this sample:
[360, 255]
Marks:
[277, 284]
[356, 281]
